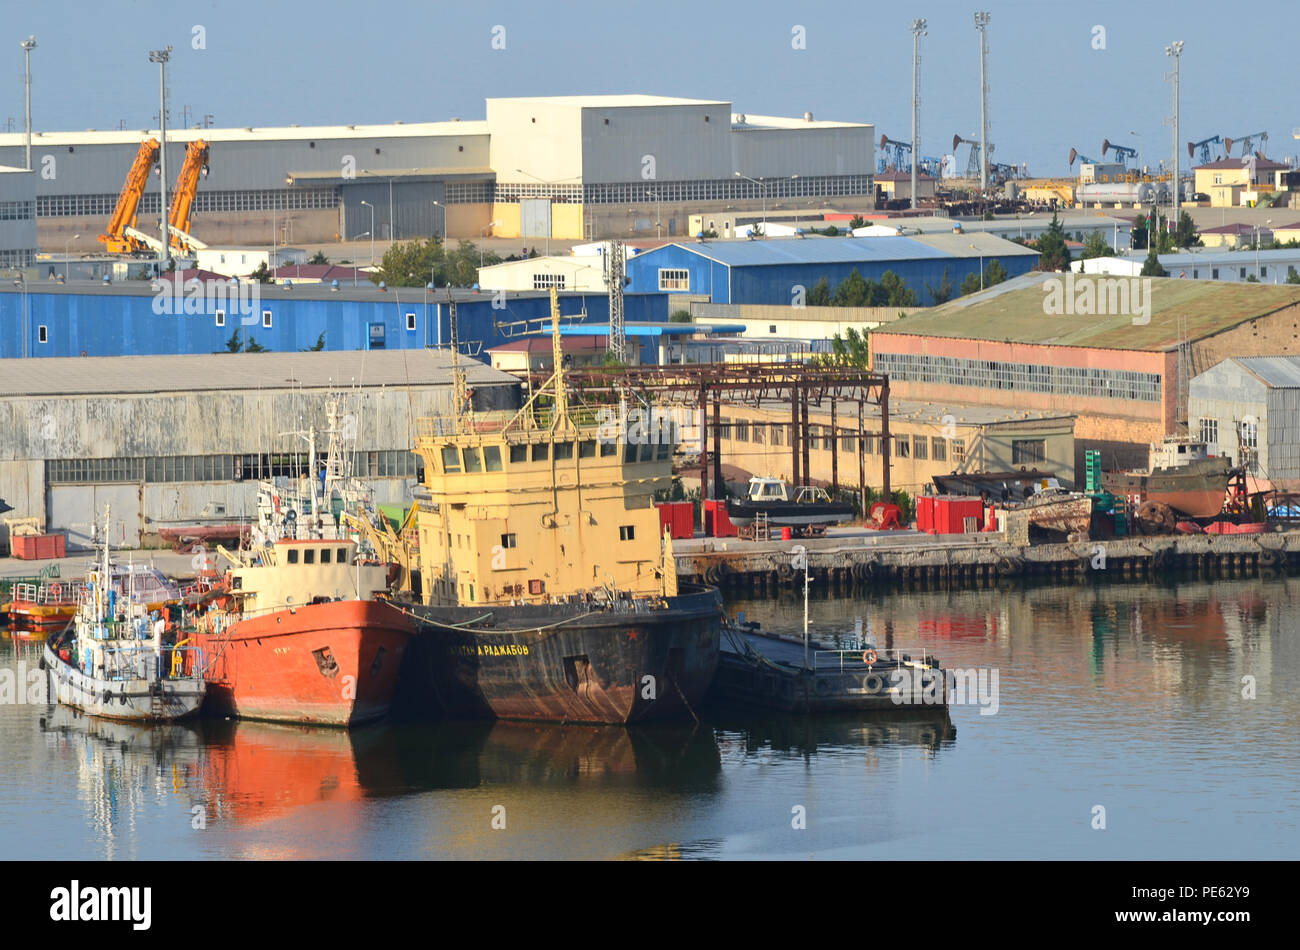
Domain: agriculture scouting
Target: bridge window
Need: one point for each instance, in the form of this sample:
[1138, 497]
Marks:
[450, 459]
[309, 556]
[293, 556]
[540, 452]
[627, 532]
[324, 555]
[473, 462]
[518, 453]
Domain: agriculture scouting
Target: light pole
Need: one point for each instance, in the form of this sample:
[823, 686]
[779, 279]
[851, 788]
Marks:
[981, 23]
[980, 251]
[1267, 222]
[354, 263]
[28, 45]
[67, 264]
[437, 204]
[762, 183]
[21, 280]
[1175, 49]
[655, 196]
[161, 56]
[482, 234]
[918, 31]
[1139, 140]
[371, 232]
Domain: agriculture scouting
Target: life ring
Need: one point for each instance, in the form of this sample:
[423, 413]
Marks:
[869, 657]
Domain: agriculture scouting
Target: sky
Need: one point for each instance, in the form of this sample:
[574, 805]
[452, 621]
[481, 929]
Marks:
[1061, 73]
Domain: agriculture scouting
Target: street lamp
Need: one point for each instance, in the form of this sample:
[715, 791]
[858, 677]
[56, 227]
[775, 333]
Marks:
[981, 254]
[161, 56]
[371, 232]
[437, 204]
[354, 263]
[482, 234]
[67, 264]
[1175, 49]
[655, 196]
[762, 183]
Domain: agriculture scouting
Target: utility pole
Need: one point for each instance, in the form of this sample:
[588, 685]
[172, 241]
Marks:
[918, 31]
[981, 22]
[28, 45]
[160, 56]
[1175, 49]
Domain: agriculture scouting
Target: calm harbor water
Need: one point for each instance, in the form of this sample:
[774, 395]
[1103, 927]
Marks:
[1124, 696]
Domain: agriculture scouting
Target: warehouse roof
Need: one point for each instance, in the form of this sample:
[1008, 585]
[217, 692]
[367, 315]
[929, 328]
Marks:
[863, 250]
[1224, 163]
[1014, 311]
[113, 375]
[268, 134]
[1279, 372]
[612, 101]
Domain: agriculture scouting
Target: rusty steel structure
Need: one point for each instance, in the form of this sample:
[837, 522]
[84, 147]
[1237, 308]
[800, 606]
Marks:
[705, 385]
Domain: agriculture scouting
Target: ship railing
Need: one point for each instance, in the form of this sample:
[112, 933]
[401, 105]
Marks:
[144, 663]
[859, 657]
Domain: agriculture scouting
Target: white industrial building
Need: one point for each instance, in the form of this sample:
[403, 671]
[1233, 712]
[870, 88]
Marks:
[1251, 406]
[567, 167]
[172, 441]
[1266, 266]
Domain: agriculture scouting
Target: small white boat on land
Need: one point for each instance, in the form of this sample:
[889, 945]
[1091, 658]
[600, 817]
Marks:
[113, 661]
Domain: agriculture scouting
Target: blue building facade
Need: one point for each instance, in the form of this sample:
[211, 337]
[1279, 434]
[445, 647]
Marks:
[772, 271]
[122, 320]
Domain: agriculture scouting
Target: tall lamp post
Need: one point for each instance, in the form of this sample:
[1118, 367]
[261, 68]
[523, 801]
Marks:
[28, 45]
[482, 234]
[67, 264]
[655, 196]
[981, 254]
[354, 263]
[762, 183]
[1175, 49]
[918, 31]
[371, 232]
[161, 56]
[443, 207]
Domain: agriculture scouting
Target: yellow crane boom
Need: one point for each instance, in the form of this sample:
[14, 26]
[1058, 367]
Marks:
[116, 239]
[187, 186]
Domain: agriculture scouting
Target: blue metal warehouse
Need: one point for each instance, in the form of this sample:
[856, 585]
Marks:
[131, 319]
[770, 271]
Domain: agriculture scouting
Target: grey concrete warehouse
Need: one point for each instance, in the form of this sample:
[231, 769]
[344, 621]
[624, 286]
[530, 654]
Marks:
[177, 440]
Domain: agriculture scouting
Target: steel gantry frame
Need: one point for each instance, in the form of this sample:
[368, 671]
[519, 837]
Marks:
[703, 386]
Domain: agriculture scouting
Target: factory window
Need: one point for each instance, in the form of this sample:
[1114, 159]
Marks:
[1263, 272]
[518, 453]
[1021, 377]
[674, 279]
[868, 445]
[902, 447]
[760, 433]
[492, 458]
[939, 450]
[1209, 432]
[958, 451]
[1249, 434]
[740, 430]
[771, 327]
[410, 321]
[778, 434]
[219, 316]
[920, 447]
[1028, 451]
[266, 318]
[1218, 178]
[547, 281]
[846, 442]
[1243, 273]
[627, 532]
[43, 332]
[450, 459]
[1214, 274]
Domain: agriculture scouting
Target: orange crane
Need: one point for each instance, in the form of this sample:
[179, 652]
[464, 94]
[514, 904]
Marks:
[122, 237]
[180, 213]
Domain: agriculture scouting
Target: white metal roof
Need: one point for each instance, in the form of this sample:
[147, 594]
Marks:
[1279, 372]
[760, 122]
[268, 134]
[612, 102]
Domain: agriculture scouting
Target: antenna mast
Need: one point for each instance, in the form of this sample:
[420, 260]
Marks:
[981, 23]
[615, 268]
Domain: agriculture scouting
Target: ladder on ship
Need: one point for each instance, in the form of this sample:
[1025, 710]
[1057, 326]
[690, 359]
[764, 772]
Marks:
[762, 531]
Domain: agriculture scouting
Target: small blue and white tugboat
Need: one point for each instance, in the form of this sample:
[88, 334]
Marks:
[113, 661]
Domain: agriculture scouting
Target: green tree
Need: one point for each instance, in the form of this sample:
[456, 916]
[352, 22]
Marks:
[897, 293]
[680, 316]
[1053, 255]
[262, 274]
[1151, 267]
[236, 345]
[318, 258]
[994, 273]
[942, 293]
[1185, 234]
[820, 295]
[1096, 246]
[1139, 233]
[853, 291]
[850, 349]
[318, 346]
[857, 221]
[971, 284]
[1252, 279]
[1291, 276]
[831, 231]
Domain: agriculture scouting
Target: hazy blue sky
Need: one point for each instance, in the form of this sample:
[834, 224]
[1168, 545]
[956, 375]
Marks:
[274, 63]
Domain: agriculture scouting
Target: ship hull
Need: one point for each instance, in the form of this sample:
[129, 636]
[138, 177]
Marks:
[788, 514]
[144, 699]
[560, 663]
[1198, 490]
[333, 663]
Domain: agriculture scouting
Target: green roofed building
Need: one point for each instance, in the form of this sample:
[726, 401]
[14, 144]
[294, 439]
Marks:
[1116, 352]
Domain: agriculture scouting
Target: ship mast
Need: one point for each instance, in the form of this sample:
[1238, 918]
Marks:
[459, 396]
[557, 354]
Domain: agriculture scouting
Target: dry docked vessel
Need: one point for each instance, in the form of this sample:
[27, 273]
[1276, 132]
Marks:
[112, 660]
[547, 590]
[1181, 475]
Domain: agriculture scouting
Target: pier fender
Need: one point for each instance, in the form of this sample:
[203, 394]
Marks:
[1270, 557]
[713, 575]
[823, 686]
[1162, 560]
[873, 683]
[863, 571]
[108, 696]
[785, 573]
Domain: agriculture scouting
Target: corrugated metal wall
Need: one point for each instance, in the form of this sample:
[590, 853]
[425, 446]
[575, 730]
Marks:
[412, 214]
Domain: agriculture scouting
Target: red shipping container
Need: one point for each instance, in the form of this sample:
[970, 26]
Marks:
[925, 513]
[716, 522]
[39, 547]
[678, 517]
[951, 512]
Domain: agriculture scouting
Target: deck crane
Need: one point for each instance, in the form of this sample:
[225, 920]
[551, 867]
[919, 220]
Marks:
[1122, 152]
[1248, 142]
[180, 214]
[122, 236]
[1203, 146]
